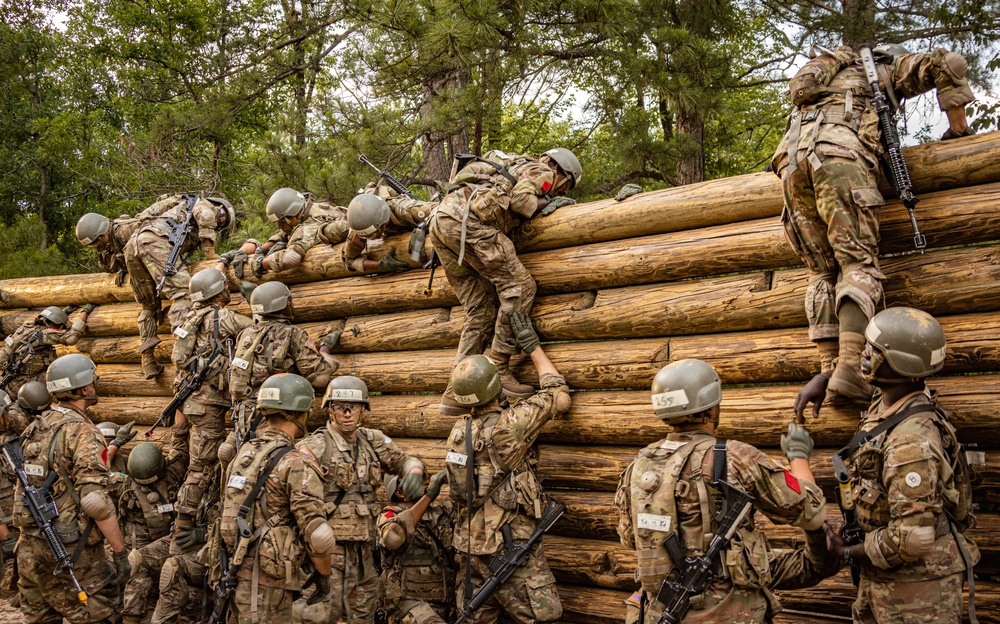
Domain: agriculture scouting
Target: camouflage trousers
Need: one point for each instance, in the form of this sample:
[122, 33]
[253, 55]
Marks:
[270, 605]
[720, 603]
[146, 257]
[409, 611]
[937, 601]
[183, 583]
[528, 596]
[142, 588]
[355, 583]
[48, 598]
[831, 220]
[208, 430]
[491, 283]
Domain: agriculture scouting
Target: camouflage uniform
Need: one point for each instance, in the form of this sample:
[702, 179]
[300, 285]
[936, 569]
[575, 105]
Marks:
[322, 224]
[670, 487]
[205, 410]
[352, 473]
[35, 346]
[146, 256]
[903, 480]
[293, 496]
[405, 214]
[12, 422]
[506, 492]
[418, 577]
[183, 580]
[66, 435]
[485, 273]
[828, 162]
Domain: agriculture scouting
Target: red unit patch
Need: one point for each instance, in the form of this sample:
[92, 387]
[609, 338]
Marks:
[792, 482]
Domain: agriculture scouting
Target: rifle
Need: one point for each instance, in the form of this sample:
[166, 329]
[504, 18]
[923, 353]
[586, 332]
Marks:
[514, 556]
[899, 175]
[17, 358]
[43, 509]
[691, 576]
[852, 531]
[178, 236]
[222, 597]
[390, 179]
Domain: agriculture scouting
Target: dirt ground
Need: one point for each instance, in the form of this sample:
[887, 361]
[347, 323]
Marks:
[8, 614]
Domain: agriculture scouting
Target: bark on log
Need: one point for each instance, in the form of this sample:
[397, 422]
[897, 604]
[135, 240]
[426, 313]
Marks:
[592, 605]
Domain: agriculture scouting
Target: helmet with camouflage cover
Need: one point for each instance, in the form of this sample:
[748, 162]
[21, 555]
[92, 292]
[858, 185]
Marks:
[146, 463]
[54, 315]
[270, 298]
[569, 163]
[346, 389]
[68, 373]
[34, 397]
[367, 213]
[291, 394]
[475, 381]
[910, 341]
[206, 284]
[108, 429]
[284, 203]
[226, 205]
[90, 227]
[685, 388]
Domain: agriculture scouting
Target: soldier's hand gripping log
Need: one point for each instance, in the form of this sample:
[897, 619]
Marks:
[514, 556]
[898, 174]
[178, 235]
[43, 509]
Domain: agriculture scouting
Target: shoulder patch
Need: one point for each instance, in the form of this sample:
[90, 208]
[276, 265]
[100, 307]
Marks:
[792, 482]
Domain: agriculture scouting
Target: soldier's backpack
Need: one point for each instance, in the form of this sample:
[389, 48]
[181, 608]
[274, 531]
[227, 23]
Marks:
[496, 167]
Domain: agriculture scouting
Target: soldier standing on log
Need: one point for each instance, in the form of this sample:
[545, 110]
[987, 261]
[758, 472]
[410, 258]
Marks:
[828, 164]
[675, 488]
[909, 482]
[469, 230]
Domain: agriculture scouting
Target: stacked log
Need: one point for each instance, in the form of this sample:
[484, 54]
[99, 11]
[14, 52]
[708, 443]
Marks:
[625, 288]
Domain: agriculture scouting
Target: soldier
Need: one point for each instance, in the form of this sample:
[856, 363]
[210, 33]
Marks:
[828, 162]
[469, 230]
[272, 345]
[116, 437]
[352, 459]
[205, 341]
[64, 440]
[909, 481]
[371, 219]
[303, 224]
[498, 485]
[418, 563]
[673, 486]
[147, 513]
[288, 512]
[32, 347]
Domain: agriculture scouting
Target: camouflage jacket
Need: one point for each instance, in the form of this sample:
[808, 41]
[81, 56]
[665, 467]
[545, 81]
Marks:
[206, 219]
[352, 472]
[323, 225]
[34, 345]
[405, 214]
[505, 488]
[195, 338]
[421, 566]
[903, 480]
[848, 125]
[146, 510]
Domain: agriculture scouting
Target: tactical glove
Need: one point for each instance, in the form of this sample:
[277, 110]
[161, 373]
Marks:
[413, 485]
[7, 545]
[275, 248]
[950, 134]
[189, 536]
[123, 569]
[246, 289]
[227, 258]
[435, 485]
[322, 584]
[556, 203]
[628, 191]
[813, 392]
[331, 340]
[797, 443]
[125, 435]
[418, 238]
[257, 264]
[120, 277]
[88, 308]
[524, 334]
[239, 263]
[70, 309]
[389, 264]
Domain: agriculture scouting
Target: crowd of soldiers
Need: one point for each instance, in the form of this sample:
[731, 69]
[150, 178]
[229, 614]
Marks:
[271, 521]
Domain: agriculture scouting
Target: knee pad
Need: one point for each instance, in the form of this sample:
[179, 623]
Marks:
[167, 574]
[97, 505]
[135, 560]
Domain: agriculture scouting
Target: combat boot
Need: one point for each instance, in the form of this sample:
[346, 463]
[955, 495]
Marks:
[150, 368]
[513, 388]
[846, 381]
[828, 351]
[449, 406]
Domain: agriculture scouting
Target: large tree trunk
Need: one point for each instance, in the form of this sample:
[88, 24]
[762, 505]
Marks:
[440, 143]
[690, 146]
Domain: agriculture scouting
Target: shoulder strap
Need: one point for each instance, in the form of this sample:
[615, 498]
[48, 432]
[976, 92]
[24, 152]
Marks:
[502, 170]
[863, 437]
[720, 471]
[258, 485]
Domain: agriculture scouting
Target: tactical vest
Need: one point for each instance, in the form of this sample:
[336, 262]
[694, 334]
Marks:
[154, 219]
[196, 338]
[470, 170]
[422, 569]
[509, 487]
[261, 351]
[148, 513]
[352, 484]
[28, 344]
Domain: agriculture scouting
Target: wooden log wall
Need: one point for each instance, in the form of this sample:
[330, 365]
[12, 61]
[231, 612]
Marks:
[625, 288]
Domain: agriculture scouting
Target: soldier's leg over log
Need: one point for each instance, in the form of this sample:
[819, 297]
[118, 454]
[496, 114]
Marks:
[154, 250]
[144, 289]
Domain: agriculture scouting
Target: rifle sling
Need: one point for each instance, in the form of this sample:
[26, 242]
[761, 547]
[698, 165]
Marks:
[470, 476]
[863, 437]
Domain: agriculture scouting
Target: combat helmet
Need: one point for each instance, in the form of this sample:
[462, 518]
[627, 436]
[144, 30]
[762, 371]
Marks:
[68, 373]
[90, 227]
[146, 463]
[54, 315]
[33, 397]
[367, 213]
[230, 214]
[910, 341]
[346, 389]
[569, 163]
[475, 381]
[888, 51]
[270, 298]
[108, 429]
[684, 388]
[206, 284]
[291, 394]
[5, 401]
[284, 203]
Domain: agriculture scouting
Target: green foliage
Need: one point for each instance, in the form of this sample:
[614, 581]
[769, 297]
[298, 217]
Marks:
[24, 255]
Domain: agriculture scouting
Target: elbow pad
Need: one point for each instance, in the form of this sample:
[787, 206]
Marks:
[97, 505]
[322, 540]
[916, 542]
[813, 508]
[291, 258]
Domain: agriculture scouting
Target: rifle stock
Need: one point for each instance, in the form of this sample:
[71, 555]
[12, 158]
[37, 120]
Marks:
[851, 531]
[178, 236]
